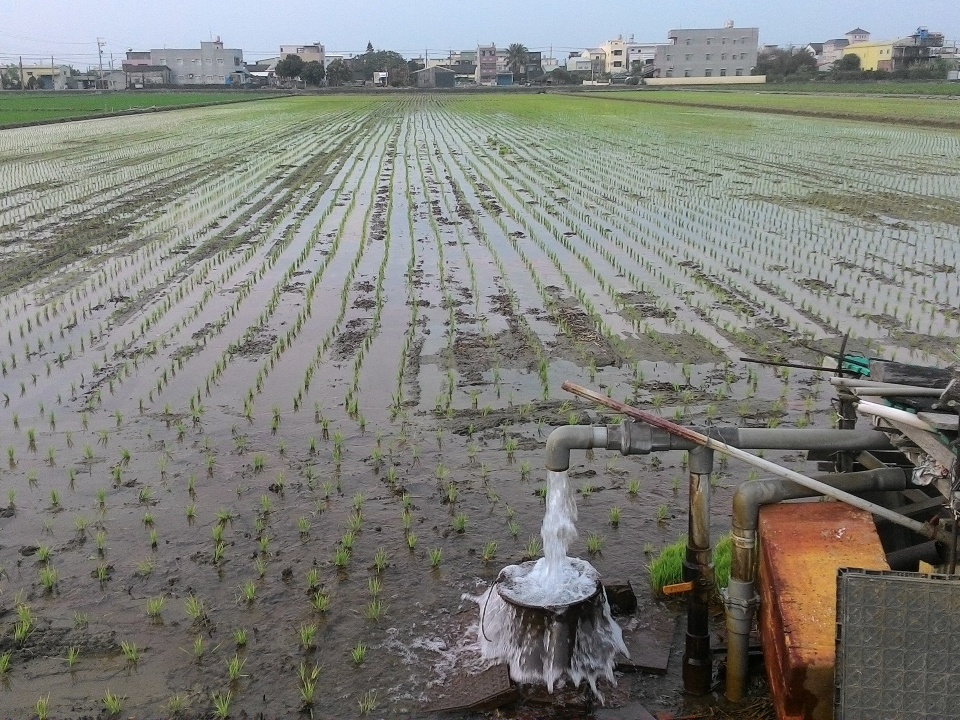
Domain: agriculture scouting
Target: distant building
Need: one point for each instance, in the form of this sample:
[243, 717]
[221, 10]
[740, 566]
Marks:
[619, 55]
[710, 52]
[212, 64]
[146, 75]
[435, 76]
[137, 57]
[898, 54]
[46, 77]
[580, 63]
[858, 35]
[307, 53]
[534, 67]
[486, 64]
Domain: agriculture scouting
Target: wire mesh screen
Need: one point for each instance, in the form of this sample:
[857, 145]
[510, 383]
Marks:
[898, 646]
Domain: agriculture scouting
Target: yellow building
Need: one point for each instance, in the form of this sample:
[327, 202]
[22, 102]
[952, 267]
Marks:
[876, 55]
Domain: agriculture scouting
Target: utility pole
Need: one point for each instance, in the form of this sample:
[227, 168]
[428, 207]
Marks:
[53, 79]
[100, 44]
[23, 85]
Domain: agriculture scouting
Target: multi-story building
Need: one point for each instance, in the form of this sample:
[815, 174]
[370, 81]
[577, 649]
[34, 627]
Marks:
[212, 64]
[709, 52]
[486, 64]
[898, 54]
[307, 53]
[137, 57]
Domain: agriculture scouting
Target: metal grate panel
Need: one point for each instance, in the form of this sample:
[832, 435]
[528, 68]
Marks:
[898, 646]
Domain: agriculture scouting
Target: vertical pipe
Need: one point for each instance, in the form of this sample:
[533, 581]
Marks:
[698, 569]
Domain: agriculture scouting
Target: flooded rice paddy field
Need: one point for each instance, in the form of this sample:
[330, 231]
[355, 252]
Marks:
[276, 378]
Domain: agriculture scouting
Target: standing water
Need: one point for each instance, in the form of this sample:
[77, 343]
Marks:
[550, 618]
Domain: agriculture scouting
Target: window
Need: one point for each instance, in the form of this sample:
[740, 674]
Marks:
[739, 72]
[163, 61]
[709, 56]
[708, 72]
[669, 73]
[686, 73]
[688, 41]
[618, 52]
[669, 58]
[219, 61]
[709, 41]
[688, 56]
[723, 41]
[236, 61]
[723, 56]
[179, 61]
[618, 63]
[723, 72]
[743, 56]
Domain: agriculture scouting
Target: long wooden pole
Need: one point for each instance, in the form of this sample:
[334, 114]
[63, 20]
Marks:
[927, 531]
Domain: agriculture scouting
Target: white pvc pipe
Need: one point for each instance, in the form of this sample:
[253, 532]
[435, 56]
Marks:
[889, 413]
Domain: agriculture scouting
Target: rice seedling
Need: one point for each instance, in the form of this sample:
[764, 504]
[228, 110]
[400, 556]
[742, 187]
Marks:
[663, 513]
[374, 610]
[240, 637]
[358, 653]
[320, 601]
[198, 648]
[308, 683]
[145, 567]
[460, 522]
[368, 702]
[73, 656]
[155, 606]
[234, 667]
[380, 559]
[175, 704]
[131, 652]
[80, 620]
[411, 540]
[194, 607]
[221, 704]
[435, 554]
[5, 662]
[306, 632]
[489, 550]
[595, 543]
[248, 591]
[614, 516]
[42, 708]
[49, 576]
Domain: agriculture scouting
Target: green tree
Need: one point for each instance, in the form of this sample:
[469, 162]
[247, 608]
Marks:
[338, 73]
[313, 73]
[290, 67]
[517, 59]
[847, 63]
[369, 47]
[779, 63]
[11, 77]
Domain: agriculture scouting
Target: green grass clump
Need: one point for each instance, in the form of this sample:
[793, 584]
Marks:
[667, 567]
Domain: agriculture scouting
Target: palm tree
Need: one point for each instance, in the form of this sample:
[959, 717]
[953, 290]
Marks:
[517, 59]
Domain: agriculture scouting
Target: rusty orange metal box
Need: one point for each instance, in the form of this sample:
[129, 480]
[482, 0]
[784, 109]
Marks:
[801, 546]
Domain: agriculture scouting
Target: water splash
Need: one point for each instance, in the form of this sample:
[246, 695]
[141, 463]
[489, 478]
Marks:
[550, 619]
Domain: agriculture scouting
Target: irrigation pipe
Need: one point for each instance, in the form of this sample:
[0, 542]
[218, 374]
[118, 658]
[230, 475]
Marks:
[924, 529]
[888, 413]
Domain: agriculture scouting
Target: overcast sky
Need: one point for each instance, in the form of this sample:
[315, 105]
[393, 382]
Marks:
[68, 29]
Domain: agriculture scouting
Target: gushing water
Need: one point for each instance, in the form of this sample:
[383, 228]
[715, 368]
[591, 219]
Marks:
[551, 619]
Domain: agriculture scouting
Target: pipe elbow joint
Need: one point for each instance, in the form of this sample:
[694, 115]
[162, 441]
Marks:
[575, 437]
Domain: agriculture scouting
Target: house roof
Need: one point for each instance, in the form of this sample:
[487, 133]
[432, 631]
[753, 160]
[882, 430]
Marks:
[858, 31]
[440, 68]
[837, 42]
[817, 47]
